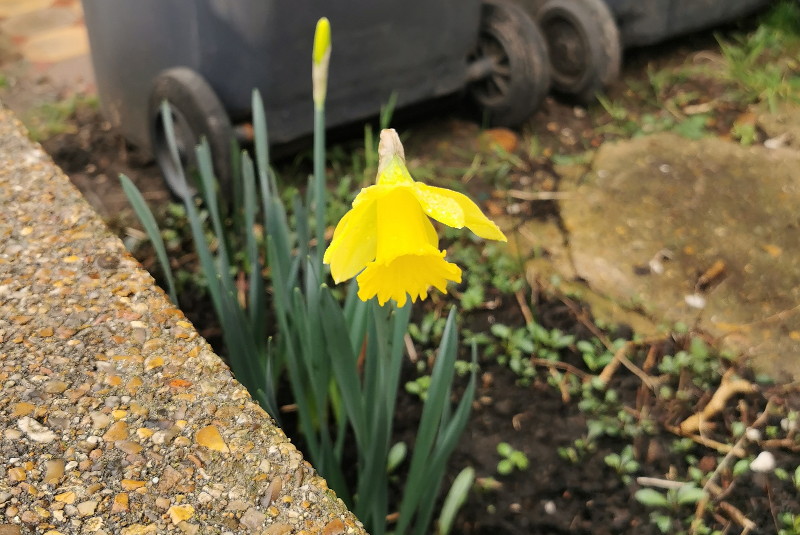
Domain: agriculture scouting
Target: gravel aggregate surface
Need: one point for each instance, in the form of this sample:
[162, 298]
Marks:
[116, 417]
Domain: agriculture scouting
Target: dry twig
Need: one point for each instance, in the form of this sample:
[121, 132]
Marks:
[620, 358]
[567, 367]
[738, 447]
[538, 195]
[660, 483]
[730, 386]
[703, 441]
[412, 351]
[737, 516]
[523, 306]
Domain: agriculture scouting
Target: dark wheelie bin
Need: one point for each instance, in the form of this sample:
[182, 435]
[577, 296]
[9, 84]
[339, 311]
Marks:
[206, 56]
[586, 37]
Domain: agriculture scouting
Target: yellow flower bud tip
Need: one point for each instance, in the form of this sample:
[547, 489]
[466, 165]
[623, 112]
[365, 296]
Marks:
[322, 40]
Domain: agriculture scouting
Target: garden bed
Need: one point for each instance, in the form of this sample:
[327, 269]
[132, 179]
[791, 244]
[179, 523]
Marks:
[577, 450]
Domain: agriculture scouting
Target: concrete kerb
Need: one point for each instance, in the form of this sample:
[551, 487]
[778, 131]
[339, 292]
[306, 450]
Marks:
[115, 415]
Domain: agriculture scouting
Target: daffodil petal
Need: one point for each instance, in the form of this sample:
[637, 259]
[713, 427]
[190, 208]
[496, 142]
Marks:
[430, 232]
[456, 210]
[371, 194]
[402, 226]
[441, 207]
[354, 242]
[407, 275]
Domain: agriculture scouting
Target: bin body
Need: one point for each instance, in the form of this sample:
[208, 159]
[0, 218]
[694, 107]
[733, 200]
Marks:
[644, 22]
[416, 48]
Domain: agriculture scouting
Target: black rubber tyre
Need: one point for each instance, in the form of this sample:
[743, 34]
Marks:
[519, 78]
[196, 113]
[584, 44]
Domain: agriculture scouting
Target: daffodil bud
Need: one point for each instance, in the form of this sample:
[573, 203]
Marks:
[320, 58]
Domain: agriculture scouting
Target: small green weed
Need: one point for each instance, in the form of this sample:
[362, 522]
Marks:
[518, 345]
[764, 63]
[52, 118]
[623, 463]
[419, 386]
[512, 459]
[789, 524]
[670, 505]
[744, 132]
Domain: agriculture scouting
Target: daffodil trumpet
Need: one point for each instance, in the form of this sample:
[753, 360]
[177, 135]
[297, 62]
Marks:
[387, 239]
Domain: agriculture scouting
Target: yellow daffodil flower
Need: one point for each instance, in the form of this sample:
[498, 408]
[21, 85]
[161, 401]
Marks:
[389, 239]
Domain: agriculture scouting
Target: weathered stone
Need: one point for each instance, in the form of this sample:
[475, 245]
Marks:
[662, 218]
[211, 438]
[278, 528]
[87, 508]
[253, 519]
[54, 471]
[35, 431]
[178, 513]
[118, 431]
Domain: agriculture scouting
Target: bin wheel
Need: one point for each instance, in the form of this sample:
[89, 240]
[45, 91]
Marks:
[584, 44]
[196, 113]
[518, 77]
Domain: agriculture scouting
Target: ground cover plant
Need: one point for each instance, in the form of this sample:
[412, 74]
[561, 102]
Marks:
[621, 434]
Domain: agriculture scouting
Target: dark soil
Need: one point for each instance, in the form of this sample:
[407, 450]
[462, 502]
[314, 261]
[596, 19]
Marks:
[553, 495]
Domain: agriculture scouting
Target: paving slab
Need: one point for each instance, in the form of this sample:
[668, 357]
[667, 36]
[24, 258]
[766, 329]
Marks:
[34, 22]
[701, 232]
[44, 48]
[13, 8]
[115, 416]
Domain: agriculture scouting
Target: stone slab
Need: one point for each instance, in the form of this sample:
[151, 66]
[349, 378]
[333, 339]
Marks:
[701, 232]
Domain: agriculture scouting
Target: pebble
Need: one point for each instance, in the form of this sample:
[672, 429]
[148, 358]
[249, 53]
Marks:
[211, 438]
[55, 387]
[132, 484]
[763, 463]
[120, 503]
[22, 408]
[139, 529]
[118, 431]
[253, 519]
[12, 434]
[278, 528]
[65, 497]
[17, 474]
[334, 527]
[29, 517]
[54, 471]
[87, 508]
[169, 478]
[177, 513]
[93, 525]
[753, 434]
[695, 301]
[35, 431]
[128, 446]
[188, 528]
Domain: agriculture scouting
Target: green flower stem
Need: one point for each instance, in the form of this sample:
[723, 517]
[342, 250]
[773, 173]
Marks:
[319, 184]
